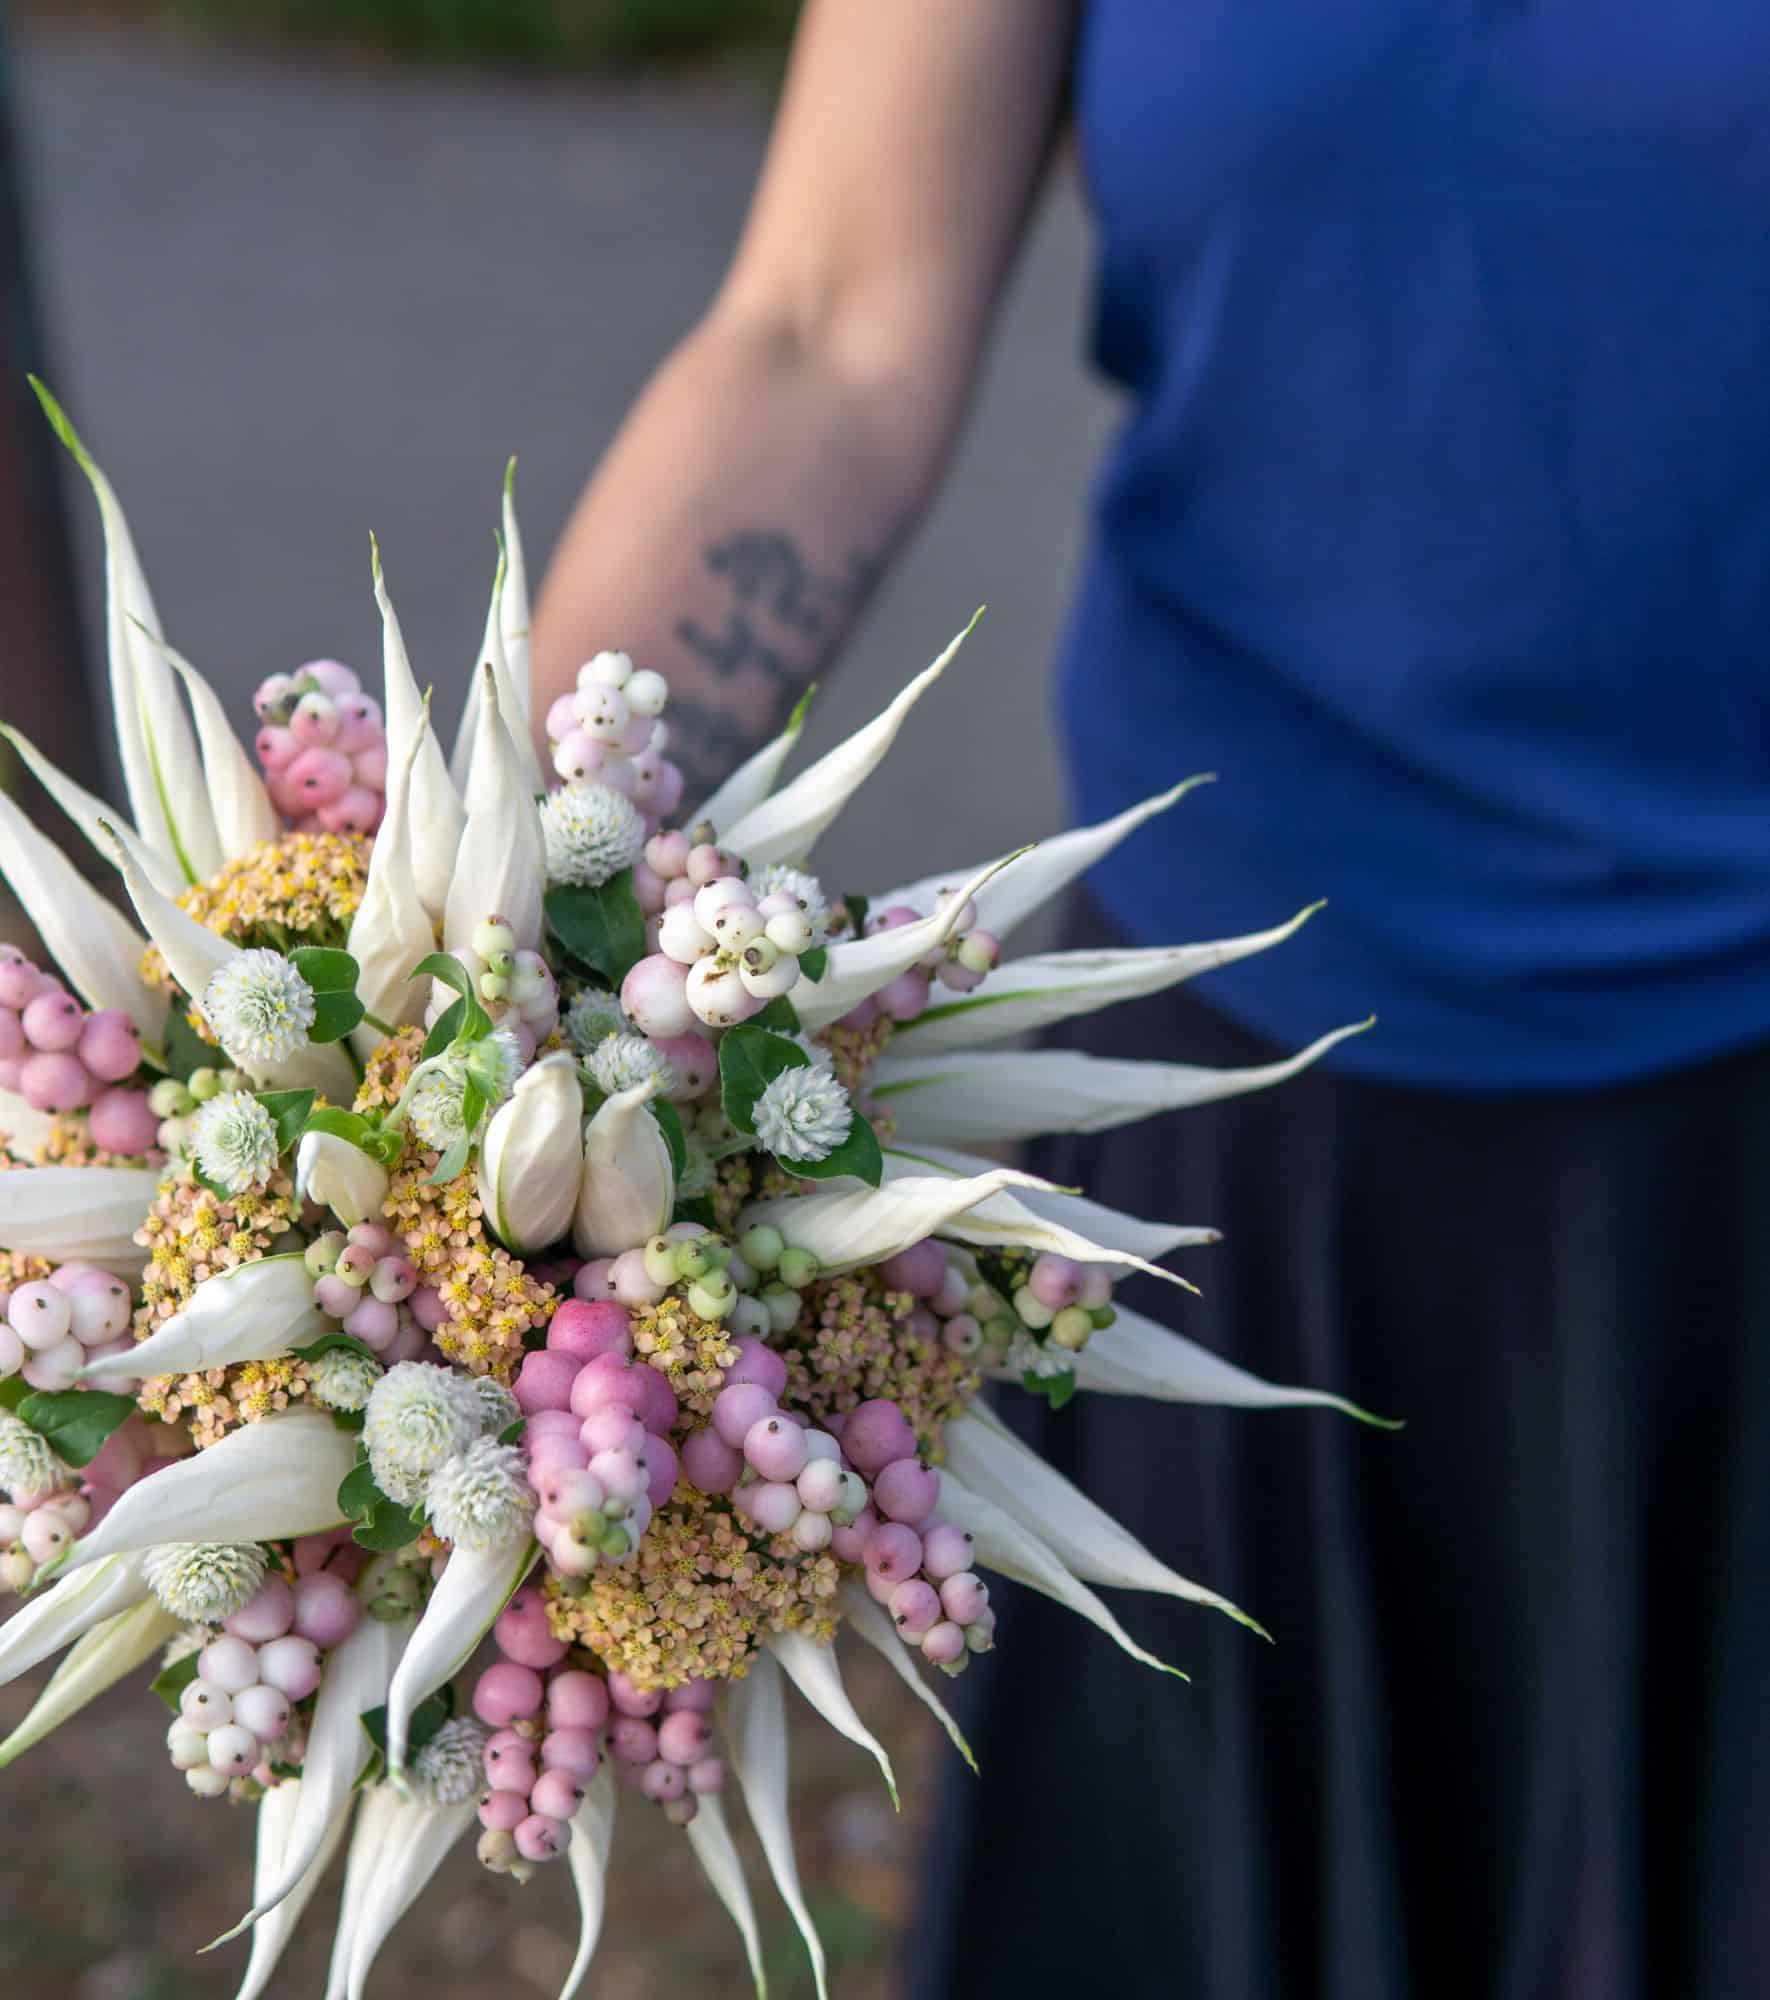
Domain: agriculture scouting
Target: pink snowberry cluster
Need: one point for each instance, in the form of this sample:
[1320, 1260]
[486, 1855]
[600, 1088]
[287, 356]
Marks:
[266, 1659]
[363, 1280]
[60, 1058]
[54, 1326]
[968, 956]
[35, 1528]
[608, 731]
[718, 954]
[323, 746]
[598, 1437]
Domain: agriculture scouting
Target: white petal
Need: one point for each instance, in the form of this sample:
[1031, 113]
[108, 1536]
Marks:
[859, 967]
[709, 1835]
[474, 1587]
[1028, 994]
[1084, 1537]
[492, 669]
[95, 945]
[339, 1176]
[502, 866]
[593, 1835]
[531, 1159]
[786, 826]
[1056, 864]
[255, 1312]
[756, 1744]
[818, 1678]
[85, 1215]
[96, 820]
[160, 768]
[396, 1848]
[338, 1749]
[391, 930]
[244, 815]
[513, 611]
[54, 1618]
[844, 1230]
[628, 1187]
[267, 1481]
[1004, 1545]
[279, 1813]
[99, 1660]
[755, 778]
[1014, 1095]
[867, 1619]
[433, 811]
[1136, 1357]
[24, 1131]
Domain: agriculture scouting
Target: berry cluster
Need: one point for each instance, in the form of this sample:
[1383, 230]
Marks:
[783, 1476]
[323, 747]
[1017, 1311]
[54, 1326]
[962, 963]
[599, 1454]
[363, 1280]
[608, 732]
[176, 1103]
[252, 1675]
[517, 987]
[59, 1057]
[34, 1529]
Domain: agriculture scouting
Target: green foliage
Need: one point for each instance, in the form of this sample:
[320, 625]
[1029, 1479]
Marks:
[427, 1718]
[172, 1681]
[288, 1110]
[381, 1524]
[750, 1058]
[601, 929]
[1056, 1389]
[74, 1423]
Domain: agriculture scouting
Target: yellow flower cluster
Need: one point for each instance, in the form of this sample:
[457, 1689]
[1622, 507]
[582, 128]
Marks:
[697, 1598]
[388, 1071]
[854, 1051]
[691, 1352]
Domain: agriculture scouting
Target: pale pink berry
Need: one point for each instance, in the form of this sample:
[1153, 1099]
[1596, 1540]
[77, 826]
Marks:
[229, 1664]
[849, 1544]
[632, 1740]
[906, 1490]
[269, 1615]
[684, 1736]
[571, 1750]
[506, 1693]
[12, 1036]
[427, 1308]
[577, 1700]
[758, 1363]
[893, 1552]
[590, 1282]
[738, 1408]
[914, 1607]
[658, 1456]
[544, 1381]
[40, 1314]
[917, 1270]
[13, 1352]
[964, 1597]
[1055, 1282]
[776, 1448]
[368, 767]
[326, 1609]
[557, 1794]
[205, 1707]
[356, 810]
[372, 1321]
[110, 1045]
[276, 747]
[877, 1433]
[291, 1665]
[707, 1776]
[905, 997]
[946, 1551]
[123, 1122]
[613, 1427]
[774, 1506]
[943, 1645]
[53, 1021]
[359, 723]
[232, 1749]
[262, 1709]
[522, 1633]
[54, 1082]
[45, 1534]
[820, 1484]
[662, 1782]
[503, 1811]
[336, 1296]
[21, 982]
[562, 717]
[539, 1838]
[393, 1279]
[630, 1698]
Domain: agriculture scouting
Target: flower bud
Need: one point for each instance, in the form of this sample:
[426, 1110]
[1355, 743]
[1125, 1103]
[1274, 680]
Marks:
[532, 1158]
[628, 1186]
[339, 1176]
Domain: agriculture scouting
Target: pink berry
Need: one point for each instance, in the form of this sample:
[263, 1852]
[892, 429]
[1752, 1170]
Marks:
[905, 997]
[267, 1617]
[1055, 1281]
[53, 1021]
[336, 1296]
[849, 1544]
[562, 718]
[503, 1811]
[262, 1709]
[708, 1463]
[662, 1782]
[696, 1696]
[506, 1693]
[590, 1281]
[658, 1409]
[914, 1607]
[291, 1665]
[557, 1794]
[654, 996]
[276, 747]
[610, 1378]
[427, 1308]
[110, 1045]
[776, 1448]
[630, 1698]
[707, 1776]
[820, 1484]
[684, 1736]
[917, 1270]
[583, 1328]
[613, 1427]
[694, 1064]
[943, 1645]
[906, 1490]
[359, 722]
[356, 810]
[774, 1506]
[573, 1750]
[12, 1036]
[964, 1597]
[876, 1433]
[368, 767]
[539, 1838]
[522, 1633]
[326, 1609]
[45, 1534]
[632, 1740]
[318, 778]
[738, 1408]
[40, 1314]
[372, 1321]
[759, 1364]
[232, 1749]
[577, 1701]
[946, 1551]
[21, 982]
[544, 1381]
[54, 1082]
[123, 1122]
[658, 1457]
[393, 1279]
[893, 1552]
[229, 1664]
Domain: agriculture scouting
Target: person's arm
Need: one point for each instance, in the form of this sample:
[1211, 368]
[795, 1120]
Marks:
[778, 456]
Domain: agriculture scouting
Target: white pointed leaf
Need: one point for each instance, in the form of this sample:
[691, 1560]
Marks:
[756, 1743]
[786, 826]
[755, 778]
[99, 1659]
[338, 1749]
[1029, 994]
[1003, 1095]
[85, 1215]
[255, 1312]
[593, 1835]
[267, 1481]
[95, 945]
[628, 1187]
[709, 1834]
[56, 1617]
[407, 1843]
[339, 1176]
[492, 670]
[1083, 1537]
[433, 810]
[391, 930]
[243, 813]
[1057, 863]
[161, 772]
[279, 1813]
[367, 1837]
[1004, 1545]
[858, 968]
[513, 610]
[868, 1620]
[1136, 1357]
[502, 866]
[474, 1587]
[814, 1672]
[102, 826]
[844, 1230]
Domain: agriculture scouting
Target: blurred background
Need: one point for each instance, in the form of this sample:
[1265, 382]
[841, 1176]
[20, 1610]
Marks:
[303, 269]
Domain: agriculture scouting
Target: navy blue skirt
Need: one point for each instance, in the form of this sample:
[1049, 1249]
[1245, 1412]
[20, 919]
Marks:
[1513, 1740]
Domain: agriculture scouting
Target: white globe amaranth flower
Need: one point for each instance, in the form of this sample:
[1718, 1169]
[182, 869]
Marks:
[1027, 1356]
[437, 1106]
[235, 1140]
[778, 879]
[203, 1582]
[492, 1407]
[260, 1007]
[450, 1769]
[342, 1379]
[481, 1499]
[416, 1419]
[592, 1018]
[592, 832]
[618, 1062]
[27, 1465]
[803, 1114]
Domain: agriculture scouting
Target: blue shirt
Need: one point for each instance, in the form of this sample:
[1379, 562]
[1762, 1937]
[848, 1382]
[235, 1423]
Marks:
[1440, 522]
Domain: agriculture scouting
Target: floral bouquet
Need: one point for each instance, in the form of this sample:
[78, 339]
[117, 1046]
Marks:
[467, 1217]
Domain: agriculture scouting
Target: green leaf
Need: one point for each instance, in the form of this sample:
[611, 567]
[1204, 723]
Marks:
[858, 1155]
[602, 927]
[172, 1681]
[388, 1528]
[856, 906]
[13, 1391]
[444, 1029]
[814, 963]
[512, 1433]
[1056, 1389]
[750, 1059]
[453, 1163]
[358, 1493]
[474, 1023]
[334, 1015]
[184, 1049]
[427, 1718]
[288, 1109]
[780, 1014]
[697, 1208]
[350, 1126]
[326, 1343]
[325, 970]
[75, 1422]
[670, 1124]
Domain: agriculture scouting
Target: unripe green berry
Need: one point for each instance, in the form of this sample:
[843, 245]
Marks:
[491, 937]
[1000, 1328]
[1073, 1328]
[1032, 1310]
[762, 1246]
[691, 1260]
[204, 1084]
[660, 1261]
[712, 1296]
[169, 1098]
[784, 1307]
[322, 1254]
[798, 1267]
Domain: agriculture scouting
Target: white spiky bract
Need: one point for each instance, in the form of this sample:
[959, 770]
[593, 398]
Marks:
[592, 832]
[261, 1008]
[201, 1583]
[803, 1114]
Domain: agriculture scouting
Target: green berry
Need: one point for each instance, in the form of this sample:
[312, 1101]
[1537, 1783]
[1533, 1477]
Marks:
[660, 1260]
[784, 1306]
[798, 1267]
[204, 1084]
[1073, 1328]
[712, 1296]
[762, 1246]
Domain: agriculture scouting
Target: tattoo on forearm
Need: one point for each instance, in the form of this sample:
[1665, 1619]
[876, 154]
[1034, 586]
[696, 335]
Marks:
[782, 621]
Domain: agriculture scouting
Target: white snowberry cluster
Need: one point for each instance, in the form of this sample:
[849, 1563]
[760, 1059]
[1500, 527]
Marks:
[52, 1327]
[608, 731]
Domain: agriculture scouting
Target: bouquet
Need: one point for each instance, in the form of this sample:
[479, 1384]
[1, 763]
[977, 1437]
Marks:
[472, 1219]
